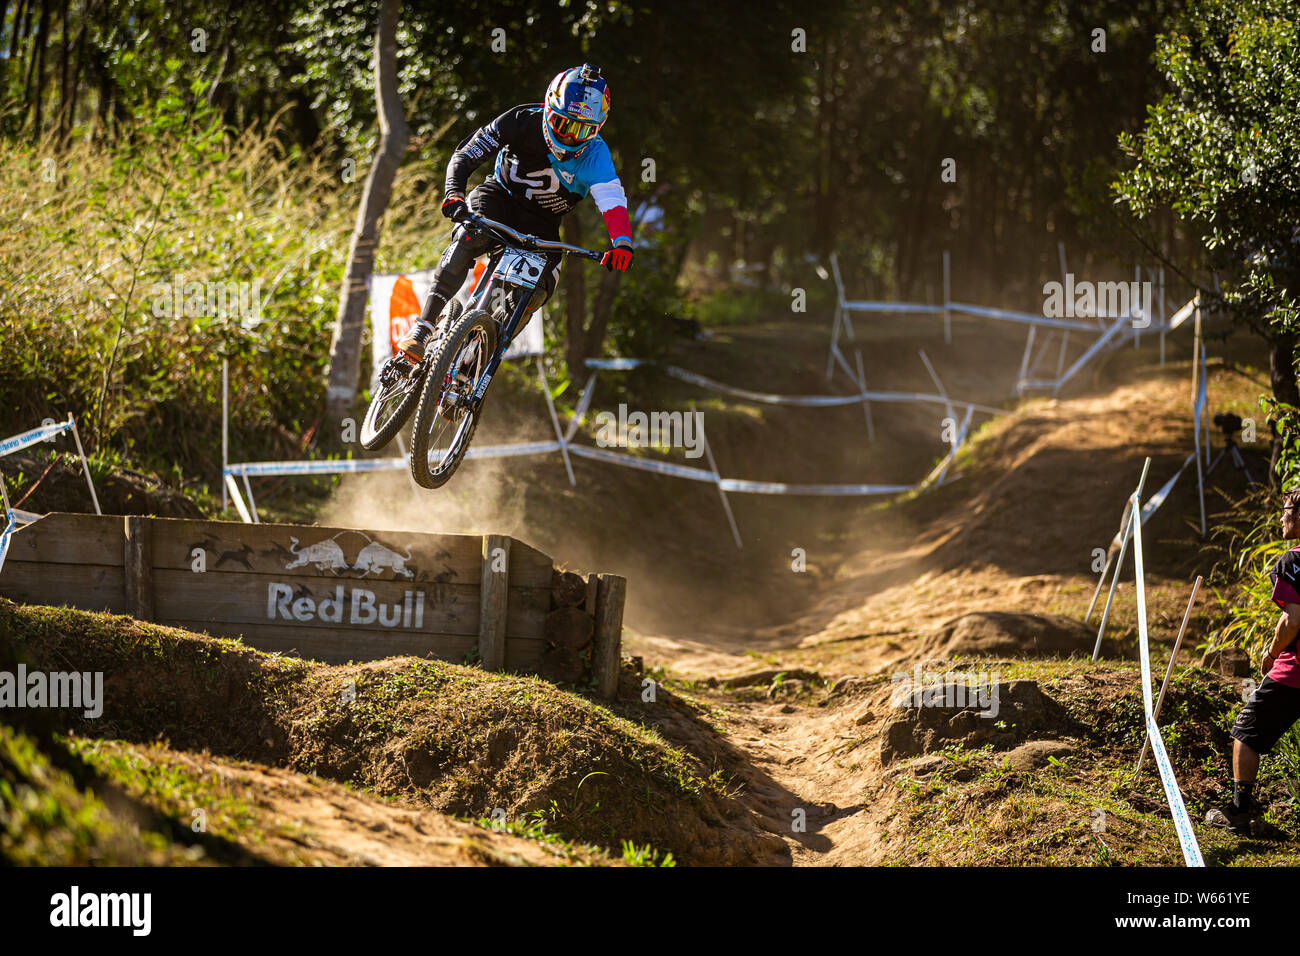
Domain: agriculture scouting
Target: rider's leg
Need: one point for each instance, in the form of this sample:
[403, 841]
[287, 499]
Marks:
[456, 260]
[452, 268]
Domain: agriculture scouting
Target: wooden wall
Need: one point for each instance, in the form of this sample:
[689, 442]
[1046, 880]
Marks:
[332, 594]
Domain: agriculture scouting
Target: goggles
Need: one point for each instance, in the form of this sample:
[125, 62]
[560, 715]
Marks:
[569, 131]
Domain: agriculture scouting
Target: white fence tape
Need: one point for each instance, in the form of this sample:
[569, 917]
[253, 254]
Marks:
[24, 517]
[1183, 314]
[46, 432]
[1182, 822]
[644, 464]
[510, 451]
[4, 538]
[32, 437]
[902, 308]
[770, 398]
[1025, 318]
[781, 488]
[343, 466]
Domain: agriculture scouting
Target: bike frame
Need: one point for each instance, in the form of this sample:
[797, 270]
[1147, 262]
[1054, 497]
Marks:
[510, 240]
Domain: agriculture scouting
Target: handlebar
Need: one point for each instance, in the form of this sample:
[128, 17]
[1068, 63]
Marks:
[506, 234]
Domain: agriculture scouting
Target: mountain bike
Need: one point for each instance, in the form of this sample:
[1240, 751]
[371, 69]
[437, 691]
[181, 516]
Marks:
[467, 351]
[402, 383]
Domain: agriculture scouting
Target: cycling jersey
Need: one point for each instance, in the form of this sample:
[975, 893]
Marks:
[543, 188]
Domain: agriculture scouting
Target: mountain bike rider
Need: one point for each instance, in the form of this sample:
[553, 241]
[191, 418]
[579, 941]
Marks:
[548, 157]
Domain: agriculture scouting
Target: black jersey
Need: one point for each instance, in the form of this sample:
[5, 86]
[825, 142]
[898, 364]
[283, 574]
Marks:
[543, 188]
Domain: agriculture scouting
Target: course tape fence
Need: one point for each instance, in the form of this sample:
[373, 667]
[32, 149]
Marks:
[33, 436]
[5, 535]
[565, 445]
[771, 398]
[1182, 822]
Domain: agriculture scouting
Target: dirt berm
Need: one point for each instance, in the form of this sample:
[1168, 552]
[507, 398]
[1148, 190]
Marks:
[432, 734]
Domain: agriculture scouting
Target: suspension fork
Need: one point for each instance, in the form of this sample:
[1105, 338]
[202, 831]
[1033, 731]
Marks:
[507, 334]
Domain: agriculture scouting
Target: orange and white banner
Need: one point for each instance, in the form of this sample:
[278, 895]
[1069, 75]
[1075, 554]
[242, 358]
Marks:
[395, 303]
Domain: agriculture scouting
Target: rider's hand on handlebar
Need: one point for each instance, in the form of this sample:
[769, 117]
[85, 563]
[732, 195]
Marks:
[618, 257]
[455, 208]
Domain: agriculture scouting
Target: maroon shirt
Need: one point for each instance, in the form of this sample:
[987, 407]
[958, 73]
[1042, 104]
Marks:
[1286, 590]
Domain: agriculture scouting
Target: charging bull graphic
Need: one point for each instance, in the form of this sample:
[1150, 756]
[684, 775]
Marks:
[327, 555]
[375, 557]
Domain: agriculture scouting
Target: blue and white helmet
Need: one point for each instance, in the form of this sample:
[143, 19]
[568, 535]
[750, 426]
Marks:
[576, 105]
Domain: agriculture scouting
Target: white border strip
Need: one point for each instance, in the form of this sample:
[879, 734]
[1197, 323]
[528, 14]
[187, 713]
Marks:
[1182, 822]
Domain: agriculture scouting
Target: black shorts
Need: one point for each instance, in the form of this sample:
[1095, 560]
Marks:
[1269, 714]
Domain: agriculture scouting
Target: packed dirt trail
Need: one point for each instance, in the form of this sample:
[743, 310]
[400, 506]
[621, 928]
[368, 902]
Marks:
[1016, 528]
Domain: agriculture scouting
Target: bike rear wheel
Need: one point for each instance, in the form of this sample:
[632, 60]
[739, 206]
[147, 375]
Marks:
[393, 402]
[391, 406]
[447, 415]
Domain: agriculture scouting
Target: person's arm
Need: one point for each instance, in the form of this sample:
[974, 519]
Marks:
[469, 156]
[1284, 635]
[611, 200]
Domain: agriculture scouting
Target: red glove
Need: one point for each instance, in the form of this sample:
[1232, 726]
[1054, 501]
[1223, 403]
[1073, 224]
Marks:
[618, 257]
[455, 208]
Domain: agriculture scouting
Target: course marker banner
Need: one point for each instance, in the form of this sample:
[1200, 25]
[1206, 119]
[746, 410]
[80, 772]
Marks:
[1182, 822]
[396, 300]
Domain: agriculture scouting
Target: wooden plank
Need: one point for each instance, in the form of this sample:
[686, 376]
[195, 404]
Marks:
[239, 548]
[589, 604]
[295, 601]
[260, 599]
[61, 538]
[529, 568]
[526, 614]
[338, 645]
[570, 627]
[494, 595]
[266, 548]
[336, 552]
[138, 566]
[524, 656]
[610, 594]
[91, 587]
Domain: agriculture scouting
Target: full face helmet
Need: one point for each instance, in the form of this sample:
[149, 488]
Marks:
[576, 105]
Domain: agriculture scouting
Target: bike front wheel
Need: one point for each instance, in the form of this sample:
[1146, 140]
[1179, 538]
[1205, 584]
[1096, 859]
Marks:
[448, 412]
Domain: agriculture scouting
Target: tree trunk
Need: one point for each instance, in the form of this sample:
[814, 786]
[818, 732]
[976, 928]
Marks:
[345, 349]
[40, 70]
[575, 306]
[64, 57]
[600, 310]
[1282, 370]
[16, 35]
[4, 67]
